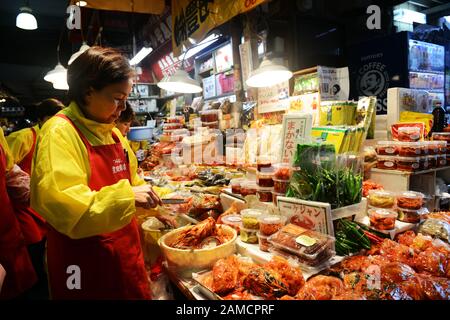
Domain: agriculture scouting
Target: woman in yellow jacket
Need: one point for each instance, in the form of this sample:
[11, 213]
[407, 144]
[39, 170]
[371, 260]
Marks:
[84, 183]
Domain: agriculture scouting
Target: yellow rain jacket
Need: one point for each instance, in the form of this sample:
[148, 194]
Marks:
[9, 157]
[20, 143]
[61, 171]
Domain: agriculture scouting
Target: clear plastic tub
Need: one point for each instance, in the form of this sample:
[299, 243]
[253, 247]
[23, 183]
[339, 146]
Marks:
[264, 244]
[233, 220]
[209, 115]
[408, 134]
[442, 145]
[282, 171]
[382, 219]
[250, 218]
[248, 188]
[387, 148]
[264, 194]
[410, 149]
[410, 164]
[249, 235]
[175, 119]
[270, 224]
[275, 196]
[386, 162]
[172, 126]
[280, 186]
[409, 216]
[264, 164]
[264, 179]
[441, 160]
[424, 164]
[432, 160]
[381, 199]
[307, 244]
[410, 200]
[444, 136]
[235, 185]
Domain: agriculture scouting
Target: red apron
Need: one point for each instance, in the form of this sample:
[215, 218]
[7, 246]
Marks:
[112, 264]
[31, 223]
[20, 275]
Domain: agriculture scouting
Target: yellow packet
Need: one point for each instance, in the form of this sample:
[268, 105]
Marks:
[426, 119]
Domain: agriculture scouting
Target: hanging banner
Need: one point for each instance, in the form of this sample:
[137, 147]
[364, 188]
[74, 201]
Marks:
[195, 18]
[334, 83]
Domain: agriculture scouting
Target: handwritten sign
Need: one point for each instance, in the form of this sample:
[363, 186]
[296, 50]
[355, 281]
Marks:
[296, 129]
[274, 98]
[307, 214]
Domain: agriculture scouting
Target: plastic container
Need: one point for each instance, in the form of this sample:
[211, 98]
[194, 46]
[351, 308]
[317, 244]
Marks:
[270, 224]
[432, 160]
[248, 188]
[264, 179]
[282, 171]
[387, 148]
[382, 219]
[442, 145]
[172, 126]
[280, 186]
[311, 246]
[443, 136]
[249, 235]
[410, 164]
[250, 218]
[140, 133]
[209, 115]
[264, 244]
[236, 185]
[409, 216]
[381, 199]
[441, 161]
[309, 266]
[275, 196]
[233, 220]
[386, 162]
[264, 194]
[408, 134]
[175, 120]
[410, 149]
[424, 164]
[264, 164]
[410, 200]
[211, 125]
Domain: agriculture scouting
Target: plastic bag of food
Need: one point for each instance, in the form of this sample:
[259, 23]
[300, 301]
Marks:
[436, 228]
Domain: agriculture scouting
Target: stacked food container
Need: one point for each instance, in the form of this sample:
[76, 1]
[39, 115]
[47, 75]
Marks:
[443, 137]
[264, 178]
[268, 225]
[411, 156]
[250, 225]
[312, 250]
[386, 207]
[173, 130]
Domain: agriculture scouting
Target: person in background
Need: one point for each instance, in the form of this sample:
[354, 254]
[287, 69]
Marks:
[22, 144]
[85, 184]
[125, 119]
[19, 275]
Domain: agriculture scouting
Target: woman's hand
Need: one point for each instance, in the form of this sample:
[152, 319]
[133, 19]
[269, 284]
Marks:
[145, 197]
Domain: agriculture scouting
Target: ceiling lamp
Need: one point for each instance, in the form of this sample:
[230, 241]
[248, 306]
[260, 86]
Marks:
[180, 82]
[25, 19]
[83, 48]
[268, 74]
[81, 3]
[58, 76]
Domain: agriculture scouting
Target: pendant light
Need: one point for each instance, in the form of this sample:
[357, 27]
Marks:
[25, 19]
[58, 75]
[268, 74]
[180, 81]
[82, 49]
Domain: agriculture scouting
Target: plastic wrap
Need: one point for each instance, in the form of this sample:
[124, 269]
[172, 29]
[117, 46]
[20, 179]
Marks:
[436, 228]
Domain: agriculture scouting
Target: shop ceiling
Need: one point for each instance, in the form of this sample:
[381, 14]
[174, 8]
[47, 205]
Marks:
[27, 55]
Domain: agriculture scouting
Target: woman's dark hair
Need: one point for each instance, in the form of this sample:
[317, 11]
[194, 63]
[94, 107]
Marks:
[96, 68]
[48, 108]
[126, 115]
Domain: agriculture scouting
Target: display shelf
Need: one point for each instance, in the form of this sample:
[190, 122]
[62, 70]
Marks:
[398, 172]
